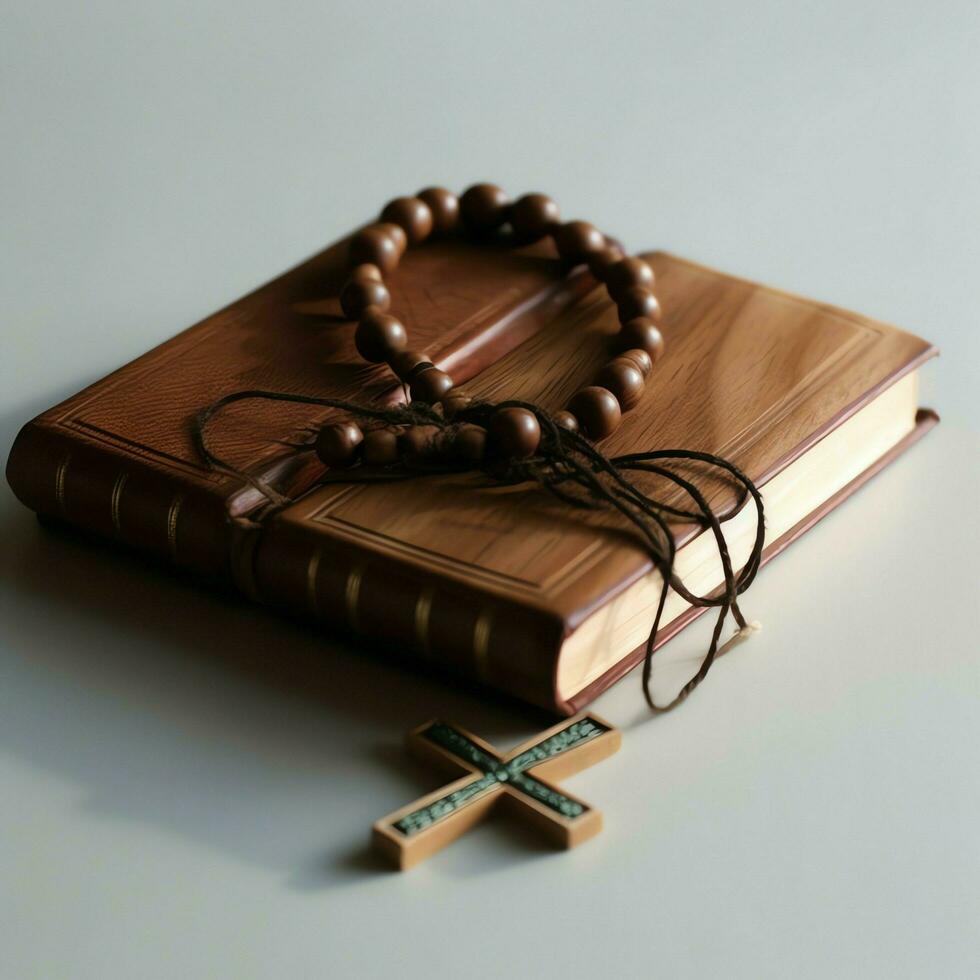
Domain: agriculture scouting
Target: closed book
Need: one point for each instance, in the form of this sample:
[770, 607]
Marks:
[505, 585]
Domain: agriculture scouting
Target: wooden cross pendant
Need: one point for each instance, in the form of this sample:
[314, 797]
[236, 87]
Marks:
[517, 780]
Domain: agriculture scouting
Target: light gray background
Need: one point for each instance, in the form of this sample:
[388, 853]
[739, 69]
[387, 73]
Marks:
[812, 812]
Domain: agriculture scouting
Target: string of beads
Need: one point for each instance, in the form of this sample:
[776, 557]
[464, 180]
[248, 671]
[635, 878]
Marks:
[484, 210]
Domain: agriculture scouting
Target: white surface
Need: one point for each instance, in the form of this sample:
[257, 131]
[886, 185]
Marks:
[811, 812]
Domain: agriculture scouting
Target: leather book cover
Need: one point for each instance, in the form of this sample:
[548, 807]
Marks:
[485, 581]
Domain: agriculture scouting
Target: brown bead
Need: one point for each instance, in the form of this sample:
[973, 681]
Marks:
[418, 442]
[373, 245]
[336, 445]
[624, 380]
[532, 216]
[359, 294]
[454, 403]
[444, 206]
[412, 214]
[577, 240]
[429, 385]
[483, 208]
[597, 411]
[406, 362]
[367, 273]
[470, 443]
[637, 301]
[514, 432]
[379, 336]
[565, 420]
[380, 447]
[640, 359]
[642, 334]
[396, 233]
[602, 261]
[627, 273]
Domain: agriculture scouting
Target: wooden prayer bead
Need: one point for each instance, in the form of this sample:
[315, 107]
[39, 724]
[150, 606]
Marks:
[418, 442]
[577, 240]
[470, 443]
[454, 403]
[336, 445]
[373, 245]
[444, 206]
[640, 359]
[483, 208]
[379, 336]
[643, 334]
[627, 273]
[413, 215]
[637, 301]
[397, 234]
[624, 380]
[380, 447]
[532, 216]
[406, 362]
[429, 385]
[602, 261]
[359, 294]
[514, 432]
[565, 420]
[597, 411]
[367, 273]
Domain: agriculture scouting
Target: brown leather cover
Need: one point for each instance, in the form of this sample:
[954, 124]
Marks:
[485, 581]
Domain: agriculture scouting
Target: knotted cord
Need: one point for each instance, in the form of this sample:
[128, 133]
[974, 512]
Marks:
[571, 469]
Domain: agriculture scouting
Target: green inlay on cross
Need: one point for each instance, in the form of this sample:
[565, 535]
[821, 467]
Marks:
[495, 771]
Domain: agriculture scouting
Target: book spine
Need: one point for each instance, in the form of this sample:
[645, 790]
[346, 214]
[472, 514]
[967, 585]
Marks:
[410, 615]
[119, 497]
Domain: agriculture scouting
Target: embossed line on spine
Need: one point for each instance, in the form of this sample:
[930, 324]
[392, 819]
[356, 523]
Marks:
[60, 475]
[312, 573]
[423, 610]
[117, 489]
[352, 596]
[173, 514]
[481, 644]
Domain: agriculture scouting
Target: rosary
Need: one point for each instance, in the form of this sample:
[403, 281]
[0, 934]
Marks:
[512, 432]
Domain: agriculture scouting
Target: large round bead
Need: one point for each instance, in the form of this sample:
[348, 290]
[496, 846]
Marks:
[514, 432]
[412, 214]
[639, 358]
[379, 336]
[637, 301]
[396, 233]
[602, 261]
[429, 385]
[643, 334]
[367, 273]
[577, 240]
[624, 379]
[597, 411]
[375, 246]
[627, 273]
[336, 445]
[454, 403]
[483, 208]
[470, 443]
[419, 442]
[359, 294]
[380, 447]
[444, 206]
[565, 420]
[532, 217]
